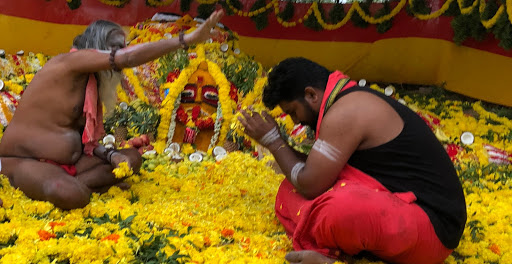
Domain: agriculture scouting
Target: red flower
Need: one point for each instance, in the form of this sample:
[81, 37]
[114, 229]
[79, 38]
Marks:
[206, 123]
[453, 150]
[173, 75]
[233, 93]
[196, 111]
[181, 115]
[45, 235]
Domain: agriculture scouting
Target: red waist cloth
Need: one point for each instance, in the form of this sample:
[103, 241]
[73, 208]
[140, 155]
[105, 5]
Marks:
[93, 112]
[360, 214]
[70, 169]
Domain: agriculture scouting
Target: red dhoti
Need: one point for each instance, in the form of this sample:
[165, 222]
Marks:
[360, 214]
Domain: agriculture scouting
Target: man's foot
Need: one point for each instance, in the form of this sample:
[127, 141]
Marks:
[308, 257]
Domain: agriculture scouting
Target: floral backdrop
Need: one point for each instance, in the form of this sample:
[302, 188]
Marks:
[215, 205]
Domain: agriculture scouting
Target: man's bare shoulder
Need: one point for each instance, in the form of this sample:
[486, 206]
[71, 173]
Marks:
[354, 104]
[356, 111]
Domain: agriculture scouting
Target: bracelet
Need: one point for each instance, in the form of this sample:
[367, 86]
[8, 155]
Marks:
[109, 154]
[181, 38]
[112, 58]
[270, 137]
[295, 173]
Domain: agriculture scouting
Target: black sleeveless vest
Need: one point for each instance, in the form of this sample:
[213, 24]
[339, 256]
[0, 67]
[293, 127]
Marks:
[416, 161]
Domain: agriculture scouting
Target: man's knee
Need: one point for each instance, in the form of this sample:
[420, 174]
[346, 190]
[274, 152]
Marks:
[346, 220]
[66, 194]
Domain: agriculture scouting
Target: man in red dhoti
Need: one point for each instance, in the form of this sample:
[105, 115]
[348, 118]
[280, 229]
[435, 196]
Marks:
[376, 180]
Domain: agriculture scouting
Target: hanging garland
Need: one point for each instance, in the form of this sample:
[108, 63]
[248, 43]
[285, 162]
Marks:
[384, 11]
[134, 81]
[359, 18]
[288, 12]
[312, 22]
[489, 23]
[432, 15]
[468, 22]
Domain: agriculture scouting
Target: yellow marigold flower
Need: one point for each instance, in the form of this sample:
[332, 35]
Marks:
[123, 170]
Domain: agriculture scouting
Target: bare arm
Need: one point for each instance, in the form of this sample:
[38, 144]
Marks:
[342, 131]
[84, 61]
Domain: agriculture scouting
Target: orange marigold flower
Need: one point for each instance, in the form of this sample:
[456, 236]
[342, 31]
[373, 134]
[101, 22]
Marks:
[207, 241]
[227, 232]
[111, 237]
[45, 235]
[495, 248]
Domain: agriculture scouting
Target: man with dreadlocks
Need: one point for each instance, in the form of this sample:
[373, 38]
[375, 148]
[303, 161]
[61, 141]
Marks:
[50, 149]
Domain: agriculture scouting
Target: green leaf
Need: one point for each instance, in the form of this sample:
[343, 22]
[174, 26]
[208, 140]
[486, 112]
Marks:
[126, 222]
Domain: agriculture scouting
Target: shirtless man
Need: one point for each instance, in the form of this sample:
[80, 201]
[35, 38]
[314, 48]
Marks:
[376, 180]
[46, 129]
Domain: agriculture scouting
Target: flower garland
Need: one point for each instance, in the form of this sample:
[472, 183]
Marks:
[492, 21]
[134, 81]
[167, 111]
[252, 13]
[294, 23]
[435, 14]
[216, 128]
[379, 20]
[200, 122]
[121, 95]
[466, 10]
[224, 99]
[116, 3]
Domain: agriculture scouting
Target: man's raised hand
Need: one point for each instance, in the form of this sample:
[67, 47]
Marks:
[206, 30]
